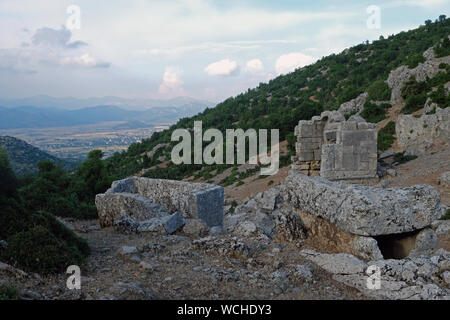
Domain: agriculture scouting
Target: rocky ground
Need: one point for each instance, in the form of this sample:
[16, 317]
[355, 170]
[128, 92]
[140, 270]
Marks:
[182, 267]
[265, 253]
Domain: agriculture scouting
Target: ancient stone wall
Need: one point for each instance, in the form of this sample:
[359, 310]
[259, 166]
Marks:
[349, 151]
[193, 200]
[338, 149]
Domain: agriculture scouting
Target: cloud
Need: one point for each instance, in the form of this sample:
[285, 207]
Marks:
[215, 47]
[254, 66]
[172, 83]
[224, 67]
[55, 38]
[85, 61]
[417, 3]
[291, 61]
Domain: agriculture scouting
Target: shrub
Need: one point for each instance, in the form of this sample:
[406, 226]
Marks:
[39, 250]
[414, 103]
[379, 90]
[446, 216]
[400, 157]
[374, 113]
[386, 136]
[8, 179]
[9, 292]
[414, 60]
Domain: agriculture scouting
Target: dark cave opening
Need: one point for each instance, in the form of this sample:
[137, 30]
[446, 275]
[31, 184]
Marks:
[396, 246]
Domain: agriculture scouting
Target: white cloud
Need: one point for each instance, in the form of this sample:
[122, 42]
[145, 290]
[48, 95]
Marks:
[172, 83]
[224, 67]
[417, 3]
[291, 61]
[85, 61]
[254, 66]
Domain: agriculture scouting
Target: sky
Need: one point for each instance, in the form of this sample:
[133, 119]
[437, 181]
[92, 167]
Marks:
[203, 49]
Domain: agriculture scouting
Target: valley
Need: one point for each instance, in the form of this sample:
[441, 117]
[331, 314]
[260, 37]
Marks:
[75, 142]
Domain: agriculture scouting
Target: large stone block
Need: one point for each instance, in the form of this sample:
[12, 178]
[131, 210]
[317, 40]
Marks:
[362, 210]
[112, 207]
[144, 198]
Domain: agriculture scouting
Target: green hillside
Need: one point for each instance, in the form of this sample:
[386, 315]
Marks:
[306, 92]
[24, 157]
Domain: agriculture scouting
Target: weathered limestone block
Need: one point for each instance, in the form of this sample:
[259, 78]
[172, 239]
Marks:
[426, 242]
[144, 199]
[327, 236]
[421, 133]
[354, 105]
[362, 210]
[112, 206]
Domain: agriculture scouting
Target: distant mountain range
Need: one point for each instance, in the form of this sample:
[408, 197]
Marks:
[42, 111]
[24, 157]
[70, 103]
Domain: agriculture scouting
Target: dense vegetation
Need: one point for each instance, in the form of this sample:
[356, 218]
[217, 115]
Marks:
[36, 241]
[285, 100]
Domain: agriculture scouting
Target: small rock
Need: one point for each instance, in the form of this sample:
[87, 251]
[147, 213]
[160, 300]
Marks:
[391, 172]
[217, 230]
[195, 228]
[128, 250]
[444, 179]
[246, 228]
[125, 225]
[146, 266]
[446, 277]
[304, 271]
[136, 259]
[173, 223]
[3, 244]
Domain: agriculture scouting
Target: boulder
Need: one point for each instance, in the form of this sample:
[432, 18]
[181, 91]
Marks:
[363, 210]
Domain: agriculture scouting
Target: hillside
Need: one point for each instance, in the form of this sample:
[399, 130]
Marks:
[24, 157]
[325, 85]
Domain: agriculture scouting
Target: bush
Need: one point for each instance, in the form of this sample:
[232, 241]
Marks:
[40, 250]
[9, 292]
[446, 216]
[414, 60]
[386, 136]
[401, 158]
[414, 103]
[8, 179]
[379, 91]
[374, 113]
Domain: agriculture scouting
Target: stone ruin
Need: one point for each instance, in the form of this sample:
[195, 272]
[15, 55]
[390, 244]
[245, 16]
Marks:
[336, 149]
[139, 204]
